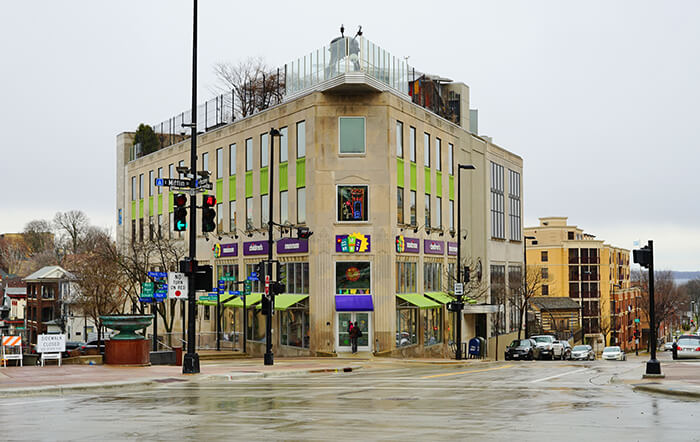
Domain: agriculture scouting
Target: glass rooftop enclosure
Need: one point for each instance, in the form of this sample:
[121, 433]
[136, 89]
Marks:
[347, 63]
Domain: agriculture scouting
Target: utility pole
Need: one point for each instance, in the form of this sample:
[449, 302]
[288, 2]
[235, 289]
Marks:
[459, 305]
[270, 295]
[190, 364]
[645, 258]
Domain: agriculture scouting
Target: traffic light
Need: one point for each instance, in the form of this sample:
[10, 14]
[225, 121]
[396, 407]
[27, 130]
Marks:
[266, 305]
[180, 209]
[642, 256]
[260, 270]
[304, 233]
[208, 213]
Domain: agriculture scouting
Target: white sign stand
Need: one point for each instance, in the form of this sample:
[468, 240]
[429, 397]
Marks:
[51, 347]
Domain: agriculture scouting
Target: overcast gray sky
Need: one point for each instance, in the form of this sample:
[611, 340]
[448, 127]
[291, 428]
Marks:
[599, 97]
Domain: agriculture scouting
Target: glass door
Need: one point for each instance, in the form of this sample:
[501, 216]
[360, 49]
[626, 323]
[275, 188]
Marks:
[343, 322]
[343, 336]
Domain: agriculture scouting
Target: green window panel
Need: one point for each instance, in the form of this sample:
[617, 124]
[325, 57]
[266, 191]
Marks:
[284, 176]
[438, 183]
[249, 184]
[452, 187]
[264, 180]
[414, 177]
[133, 210]
[428, 181]
[141, 208]
[220, 190]
[171, 201]
[232, 188]
[160, 204]
[399, 172]
[301, 172]
[150, 206]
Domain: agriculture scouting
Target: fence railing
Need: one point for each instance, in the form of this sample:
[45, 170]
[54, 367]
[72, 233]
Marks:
[228, 341]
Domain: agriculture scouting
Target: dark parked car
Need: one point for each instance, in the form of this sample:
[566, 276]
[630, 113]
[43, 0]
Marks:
[90, 348]
[522, 349]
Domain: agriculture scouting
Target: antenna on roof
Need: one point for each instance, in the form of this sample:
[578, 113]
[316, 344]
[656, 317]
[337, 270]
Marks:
[342, 30]
[359, 32]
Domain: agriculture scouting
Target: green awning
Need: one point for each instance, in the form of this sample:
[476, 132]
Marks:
[418, 300]
[250, 300]
[286, 300]
[441, 297]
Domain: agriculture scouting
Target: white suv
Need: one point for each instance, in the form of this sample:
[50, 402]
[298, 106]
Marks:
[545, 344]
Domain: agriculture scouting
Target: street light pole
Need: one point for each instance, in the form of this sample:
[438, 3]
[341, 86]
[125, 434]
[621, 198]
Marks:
[190, 363]
[269, 357]
[458, 351]
[525, 289]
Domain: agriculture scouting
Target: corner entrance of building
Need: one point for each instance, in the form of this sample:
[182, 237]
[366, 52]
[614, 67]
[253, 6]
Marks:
[342, 343]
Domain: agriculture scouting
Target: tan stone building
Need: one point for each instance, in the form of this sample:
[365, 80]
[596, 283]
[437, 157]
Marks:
[579, 266]
[367, 160]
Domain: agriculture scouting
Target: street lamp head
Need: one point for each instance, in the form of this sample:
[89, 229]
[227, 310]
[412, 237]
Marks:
[274, 132]
[467, 166]
[182, 169]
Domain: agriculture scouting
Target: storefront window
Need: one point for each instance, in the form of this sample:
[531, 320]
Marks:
[227, 270]
[256, 325]
[432, 276]
[406, 277]
[295, 275]
[256, 286]
[352, 277]
[406, 324]
[295, 325]
[353, 203]
[433, 326]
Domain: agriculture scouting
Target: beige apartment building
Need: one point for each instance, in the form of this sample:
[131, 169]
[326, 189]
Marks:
[579, 266]
[368, 160]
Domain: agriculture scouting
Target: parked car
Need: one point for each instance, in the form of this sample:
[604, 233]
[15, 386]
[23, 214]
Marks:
[561, 350]
[583, 352]
[687, 346]
[522, 349]
[73, 348]
[544, 343]
[614, 353]
[668, 346]
[90, 348]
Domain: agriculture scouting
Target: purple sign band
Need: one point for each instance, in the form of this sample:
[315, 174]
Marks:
[452, 248]
[407, 245]
[292, 245]
[225, 250]
[432, 247]
[255, 248]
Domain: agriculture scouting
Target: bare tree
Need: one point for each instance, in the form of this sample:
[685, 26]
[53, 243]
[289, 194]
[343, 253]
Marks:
[13, 254]
[530, 287]
[255, 85]
[607, 322]
[668, 301]
[71, 227]
[39, 236]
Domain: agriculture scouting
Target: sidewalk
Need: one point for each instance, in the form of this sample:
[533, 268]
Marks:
[52, 379]
[681, 377]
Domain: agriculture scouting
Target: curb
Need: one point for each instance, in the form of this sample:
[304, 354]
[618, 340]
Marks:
[667, 390]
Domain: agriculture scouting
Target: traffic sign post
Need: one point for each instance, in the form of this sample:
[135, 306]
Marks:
[173, 182]
[177, 285]
[459, 289]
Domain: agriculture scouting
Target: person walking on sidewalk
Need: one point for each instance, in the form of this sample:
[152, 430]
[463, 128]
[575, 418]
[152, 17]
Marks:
[355, 334]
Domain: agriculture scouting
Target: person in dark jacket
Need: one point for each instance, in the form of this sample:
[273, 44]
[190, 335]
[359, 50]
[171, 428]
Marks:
[355, 334]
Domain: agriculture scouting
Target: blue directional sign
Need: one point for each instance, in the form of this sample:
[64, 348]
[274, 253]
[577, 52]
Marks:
[161, 296]
[160, 182]
[234, 292]
[147, 300]
[253, 278]
[157, 274]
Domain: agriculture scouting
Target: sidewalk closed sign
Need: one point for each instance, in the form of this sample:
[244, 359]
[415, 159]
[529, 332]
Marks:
[51, 343]
[177, 285]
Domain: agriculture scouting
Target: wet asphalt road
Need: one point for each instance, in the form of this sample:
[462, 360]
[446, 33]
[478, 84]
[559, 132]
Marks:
[547, 400]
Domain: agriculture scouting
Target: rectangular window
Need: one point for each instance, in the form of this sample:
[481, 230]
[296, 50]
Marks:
[406, 277]
[133, 188]
[232, 159]
[264, 209]
[232, 216]
[498, 223]
[412, 143]
[181, 163]
[399, 205]
[205, 161]
[171, 225]
[141, 186]
[451, 158]
[353, 203]
[160, 226]
[351, 135]
[545, 273]
[171, 171]
[295, 276]
[452, 215]
[227, 270]
[514, 205]
[406, 324]
[160, 175]
[432, 276]
[301, 205]
[438, 212]
[257, 286]
[220, 162]
[545, 290]
[249, 214]
[438, 154]
[432, 326]
[151, 183]
[249, 154]
[151, 228]
[515, 282]
[426, 149]
[284, 207]
[284, 145]
[498, 297]
[544, 255]
[301, 139]
[427, 211]
[353, 277]
[412, 208]
[220, 218]
[264, 150]
[295, 325]
[399, 139]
